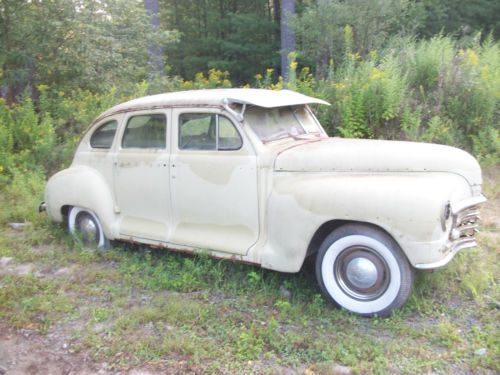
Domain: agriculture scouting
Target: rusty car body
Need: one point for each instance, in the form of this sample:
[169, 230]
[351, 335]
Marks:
[251, 175]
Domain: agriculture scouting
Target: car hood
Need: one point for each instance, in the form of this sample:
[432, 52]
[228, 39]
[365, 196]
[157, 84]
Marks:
[362, 155]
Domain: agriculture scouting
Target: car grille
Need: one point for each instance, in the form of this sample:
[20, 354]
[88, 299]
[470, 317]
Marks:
[465, 223]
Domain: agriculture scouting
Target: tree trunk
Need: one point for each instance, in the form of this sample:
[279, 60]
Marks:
[155, 51]
[287, 36]
[276, 19]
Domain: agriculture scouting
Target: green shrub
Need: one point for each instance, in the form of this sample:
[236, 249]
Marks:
[27, 139]
[21, 197]
[427, 90]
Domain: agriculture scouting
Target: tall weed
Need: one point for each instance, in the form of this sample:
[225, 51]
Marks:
[420, 90]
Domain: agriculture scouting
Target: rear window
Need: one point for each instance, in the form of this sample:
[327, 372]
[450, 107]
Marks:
[104, 135]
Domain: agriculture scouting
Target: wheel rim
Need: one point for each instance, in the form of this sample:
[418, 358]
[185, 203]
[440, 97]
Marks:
[88, 229]
[361, 273]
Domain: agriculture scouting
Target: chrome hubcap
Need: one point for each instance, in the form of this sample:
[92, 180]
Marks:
[361, 273]
[88, 229]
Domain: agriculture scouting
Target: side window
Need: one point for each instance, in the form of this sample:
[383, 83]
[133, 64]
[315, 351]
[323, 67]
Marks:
[229, 138]
[146, 131]
[205, 131]
[197, 131]
[103, 136]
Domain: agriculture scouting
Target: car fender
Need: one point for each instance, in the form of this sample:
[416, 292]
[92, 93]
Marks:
[408, 206]
[83, 187]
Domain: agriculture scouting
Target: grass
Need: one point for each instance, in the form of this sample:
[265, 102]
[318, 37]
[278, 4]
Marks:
[135, 306]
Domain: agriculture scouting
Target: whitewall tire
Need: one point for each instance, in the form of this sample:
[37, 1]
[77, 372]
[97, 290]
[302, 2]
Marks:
[85, 225]
[363, 270]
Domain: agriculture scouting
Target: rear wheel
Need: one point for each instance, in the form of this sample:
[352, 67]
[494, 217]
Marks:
[85, 225]
[363, 270]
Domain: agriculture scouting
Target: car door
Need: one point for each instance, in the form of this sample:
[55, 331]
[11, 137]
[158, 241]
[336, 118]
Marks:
[141, 176]
[213, 183]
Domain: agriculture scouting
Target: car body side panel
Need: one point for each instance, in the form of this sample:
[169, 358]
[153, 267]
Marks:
[408, 206]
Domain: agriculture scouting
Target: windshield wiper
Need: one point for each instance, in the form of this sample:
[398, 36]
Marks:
[286, 134]
[280, 135]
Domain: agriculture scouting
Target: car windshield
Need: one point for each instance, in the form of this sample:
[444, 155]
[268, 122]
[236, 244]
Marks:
[271, 124]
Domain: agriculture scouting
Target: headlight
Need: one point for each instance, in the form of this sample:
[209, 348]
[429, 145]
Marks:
[476, 190]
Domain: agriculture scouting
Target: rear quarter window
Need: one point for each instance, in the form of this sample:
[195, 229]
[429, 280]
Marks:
[103, 136]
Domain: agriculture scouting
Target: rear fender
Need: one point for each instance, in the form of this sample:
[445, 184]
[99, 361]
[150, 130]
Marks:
[83, 187]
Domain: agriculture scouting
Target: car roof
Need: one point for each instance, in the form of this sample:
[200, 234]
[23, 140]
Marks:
[216, 98]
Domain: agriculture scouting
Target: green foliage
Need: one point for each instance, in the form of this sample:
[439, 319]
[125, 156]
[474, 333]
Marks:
[460, 18]
[214, 79]
[93, 45]
[320, 28]
[238, 36]
[428, 90]
[22, 196]
[249, 344]
[27, 140]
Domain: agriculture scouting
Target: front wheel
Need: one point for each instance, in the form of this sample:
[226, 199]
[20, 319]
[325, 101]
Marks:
[363, 270]
[85, 225]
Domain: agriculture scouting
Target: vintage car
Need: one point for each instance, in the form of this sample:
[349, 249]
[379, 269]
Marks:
[251, 175]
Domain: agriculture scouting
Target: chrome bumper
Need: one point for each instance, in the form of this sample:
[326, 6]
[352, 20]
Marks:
[42, 207]
[465, 221]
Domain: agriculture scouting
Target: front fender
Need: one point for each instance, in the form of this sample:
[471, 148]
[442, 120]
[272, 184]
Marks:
[84, 187]
[409, 206]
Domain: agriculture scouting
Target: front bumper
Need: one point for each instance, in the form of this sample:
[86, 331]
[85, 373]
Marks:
[465, 221]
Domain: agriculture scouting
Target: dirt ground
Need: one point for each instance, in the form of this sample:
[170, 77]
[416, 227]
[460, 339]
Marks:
[26, 352]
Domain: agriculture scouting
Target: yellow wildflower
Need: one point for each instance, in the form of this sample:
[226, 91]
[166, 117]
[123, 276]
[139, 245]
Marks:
[258, 76]
[376, 74]
[293, 65]
[472, 58]
[1, 168]
[187, 85]
[485, 73]
[278, 85]
[269, 71]
[199, 76]
[356, 56]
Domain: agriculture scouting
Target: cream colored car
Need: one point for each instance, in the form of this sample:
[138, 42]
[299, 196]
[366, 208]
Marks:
[251, 175]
